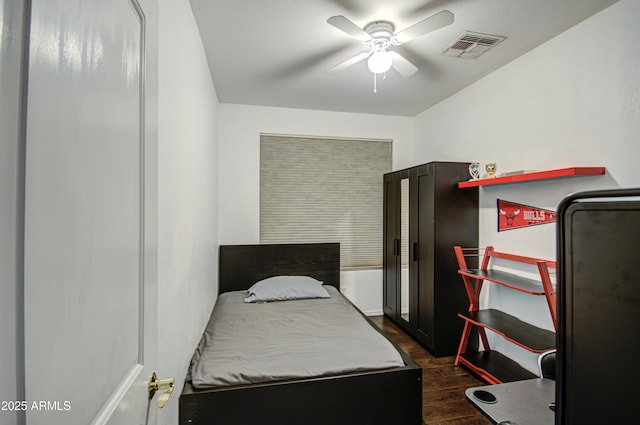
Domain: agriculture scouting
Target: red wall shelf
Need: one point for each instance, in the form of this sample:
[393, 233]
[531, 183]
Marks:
[536, 175]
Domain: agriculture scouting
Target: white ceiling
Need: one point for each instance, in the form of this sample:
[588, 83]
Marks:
[274, 52]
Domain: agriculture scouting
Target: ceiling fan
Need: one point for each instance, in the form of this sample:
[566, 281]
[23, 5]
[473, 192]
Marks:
[379, 36]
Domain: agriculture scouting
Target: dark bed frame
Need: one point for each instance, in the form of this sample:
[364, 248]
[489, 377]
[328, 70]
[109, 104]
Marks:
[383, 397]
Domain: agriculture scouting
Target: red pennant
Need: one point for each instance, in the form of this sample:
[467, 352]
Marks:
[515, 216]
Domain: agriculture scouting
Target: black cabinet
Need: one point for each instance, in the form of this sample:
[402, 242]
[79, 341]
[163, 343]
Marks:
[598, 307]
[425, 216]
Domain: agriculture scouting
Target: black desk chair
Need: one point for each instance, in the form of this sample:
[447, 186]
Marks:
[547, 364]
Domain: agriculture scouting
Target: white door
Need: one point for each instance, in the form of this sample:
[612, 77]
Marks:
[90, 212]
[11, 43]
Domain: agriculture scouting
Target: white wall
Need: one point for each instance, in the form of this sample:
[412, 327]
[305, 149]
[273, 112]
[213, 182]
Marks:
[574, 101]
[187, 195]
[240, 128]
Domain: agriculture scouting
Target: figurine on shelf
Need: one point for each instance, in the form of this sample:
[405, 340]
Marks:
[474, 171]
[491, 170]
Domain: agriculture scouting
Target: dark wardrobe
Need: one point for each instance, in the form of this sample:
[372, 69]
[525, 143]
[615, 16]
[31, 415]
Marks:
[425, 216]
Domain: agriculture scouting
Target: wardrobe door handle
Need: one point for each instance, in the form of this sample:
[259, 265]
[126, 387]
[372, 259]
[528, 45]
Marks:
[396, 246]
[415, 251]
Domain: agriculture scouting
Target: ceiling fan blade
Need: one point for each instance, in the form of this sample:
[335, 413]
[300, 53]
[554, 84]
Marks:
[432, 23]
[347, 63]
[345, 25]
[402, 65]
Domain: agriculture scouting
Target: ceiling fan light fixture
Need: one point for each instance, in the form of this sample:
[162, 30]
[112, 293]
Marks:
[379, 62]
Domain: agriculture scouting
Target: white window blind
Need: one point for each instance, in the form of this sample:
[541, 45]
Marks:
[324, 190]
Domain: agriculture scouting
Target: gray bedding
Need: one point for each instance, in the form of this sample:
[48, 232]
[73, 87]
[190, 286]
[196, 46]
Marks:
[251, 343]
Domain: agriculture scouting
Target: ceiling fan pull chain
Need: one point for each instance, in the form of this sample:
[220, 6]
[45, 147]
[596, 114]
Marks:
[375, 83]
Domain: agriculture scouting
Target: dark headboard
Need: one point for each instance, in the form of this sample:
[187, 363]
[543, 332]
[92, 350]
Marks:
[243, 265]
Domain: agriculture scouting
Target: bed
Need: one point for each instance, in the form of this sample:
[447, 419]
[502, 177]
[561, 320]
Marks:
[359, 391]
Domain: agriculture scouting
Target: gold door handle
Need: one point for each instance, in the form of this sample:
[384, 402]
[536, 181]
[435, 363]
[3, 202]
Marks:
[156, 384]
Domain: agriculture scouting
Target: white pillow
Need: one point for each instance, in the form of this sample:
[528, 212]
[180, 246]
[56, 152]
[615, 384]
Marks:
[282, 288]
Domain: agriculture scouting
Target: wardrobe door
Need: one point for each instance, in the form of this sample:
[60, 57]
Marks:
[391, 246]
[406, 284]
[424, 264]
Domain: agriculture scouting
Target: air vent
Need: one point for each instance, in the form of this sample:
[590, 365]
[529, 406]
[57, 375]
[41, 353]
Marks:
[470, 45]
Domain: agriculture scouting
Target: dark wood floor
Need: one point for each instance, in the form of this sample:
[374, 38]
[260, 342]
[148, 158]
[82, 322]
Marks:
[443, 383]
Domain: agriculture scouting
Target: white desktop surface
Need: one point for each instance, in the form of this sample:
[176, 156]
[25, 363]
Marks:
[521, 402]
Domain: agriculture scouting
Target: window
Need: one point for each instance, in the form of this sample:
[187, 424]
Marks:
[324, 190]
